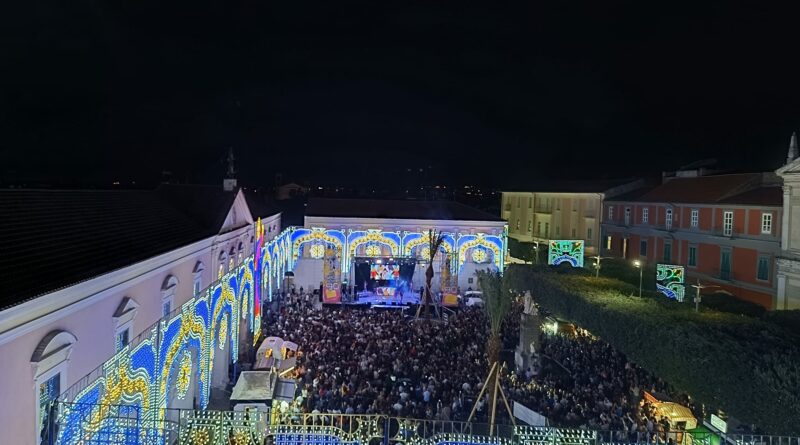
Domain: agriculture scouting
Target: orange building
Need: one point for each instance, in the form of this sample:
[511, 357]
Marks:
[725, 229]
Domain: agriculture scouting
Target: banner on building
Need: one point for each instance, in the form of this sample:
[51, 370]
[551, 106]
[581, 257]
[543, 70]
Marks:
[449, 290]
[670, 281]
[331, 276]
[258, 281]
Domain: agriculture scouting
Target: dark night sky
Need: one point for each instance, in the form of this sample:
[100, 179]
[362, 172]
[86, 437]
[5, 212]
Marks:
[96, 91]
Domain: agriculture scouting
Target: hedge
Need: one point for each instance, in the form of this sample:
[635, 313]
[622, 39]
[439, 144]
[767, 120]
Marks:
[745, 366]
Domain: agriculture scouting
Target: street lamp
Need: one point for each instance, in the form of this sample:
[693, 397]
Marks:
[597, 259]
[638, 264]
[699, 286]
[536, 253]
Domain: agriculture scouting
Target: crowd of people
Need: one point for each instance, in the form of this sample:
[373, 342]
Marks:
[357, 360]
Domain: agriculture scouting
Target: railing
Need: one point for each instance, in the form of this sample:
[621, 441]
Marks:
[131, 425]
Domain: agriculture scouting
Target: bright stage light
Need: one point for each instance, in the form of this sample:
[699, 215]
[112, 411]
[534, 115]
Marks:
[378, 261]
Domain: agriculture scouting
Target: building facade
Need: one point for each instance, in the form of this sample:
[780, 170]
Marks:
[473, 240]
[725, 229]
[789, 258]
[95, 269]
[554, 211]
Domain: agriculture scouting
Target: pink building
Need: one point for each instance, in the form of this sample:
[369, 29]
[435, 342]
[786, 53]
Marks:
[87, 271]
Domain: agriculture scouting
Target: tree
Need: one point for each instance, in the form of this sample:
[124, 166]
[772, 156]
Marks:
[434, 244]
[497, 303]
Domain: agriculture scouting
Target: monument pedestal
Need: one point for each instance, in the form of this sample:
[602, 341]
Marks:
[529, 342]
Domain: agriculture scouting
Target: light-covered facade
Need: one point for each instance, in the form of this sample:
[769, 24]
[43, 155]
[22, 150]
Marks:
[60, 343]
[472, 245]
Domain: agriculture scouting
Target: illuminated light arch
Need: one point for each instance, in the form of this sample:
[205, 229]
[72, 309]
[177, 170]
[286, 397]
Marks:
[359, 237]
[490, 242]
[412, 240]
[299, 237]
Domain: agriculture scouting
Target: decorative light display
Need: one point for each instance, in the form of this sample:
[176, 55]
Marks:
[566, 251]
[316, 236]
[424, 253]
[479, 255]
[491, 242]
[670, 281]
[373, 250]
[223, 332]
[184, 375]
[357, 238]
[413, 240]
[317, 251]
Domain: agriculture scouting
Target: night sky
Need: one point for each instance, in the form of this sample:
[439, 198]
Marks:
[96, 91]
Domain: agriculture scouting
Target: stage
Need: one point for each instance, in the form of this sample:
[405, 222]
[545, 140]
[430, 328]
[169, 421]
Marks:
[374, 299]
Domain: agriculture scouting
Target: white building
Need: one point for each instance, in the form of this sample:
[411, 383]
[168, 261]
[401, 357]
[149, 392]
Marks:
[560, 210]
[788, 296]
[398, 228]
[88, 271]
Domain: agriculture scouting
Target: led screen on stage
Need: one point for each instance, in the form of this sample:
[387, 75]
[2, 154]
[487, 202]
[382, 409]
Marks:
[566, 251]
[669, 281]
[384, 271]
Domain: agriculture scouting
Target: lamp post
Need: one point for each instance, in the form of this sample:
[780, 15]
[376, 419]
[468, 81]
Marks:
[699, 286]
[638, 264]
[536, 253]
[597, 259]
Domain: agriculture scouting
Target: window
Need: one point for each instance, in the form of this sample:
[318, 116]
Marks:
[574, 205]
[539, 228]
[546, 230]
[611, 213]
[645, 215]
[695, 218]
[530, 203]
[692, 260]
[530, 226]
[558, 204]
[517, 225]
[168, 288]
[643, 248]
[49, 390]
[558, 230]
[766, 223]
[196, 287]
[121, 339]
[725, 264]
[589, 233]
[518, 200]
[727, 223]
[573, 233]
[763, 268]
[123, 322]
[667, 252]
[668, 219]
[608, 243]
[627, 216]
[50, 362]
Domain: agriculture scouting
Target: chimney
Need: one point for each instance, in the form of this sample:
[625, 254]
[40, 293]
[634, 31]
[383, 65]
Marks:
[792, 155]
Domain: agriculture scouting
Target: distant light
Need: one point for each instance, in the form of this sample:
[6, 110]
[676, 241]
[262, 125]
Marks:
[319, 188]
[378, 261]
[637, 263]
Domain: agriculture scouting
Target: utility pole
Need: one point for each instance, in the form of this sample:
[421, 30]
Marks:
[699, 286]
[639, 265]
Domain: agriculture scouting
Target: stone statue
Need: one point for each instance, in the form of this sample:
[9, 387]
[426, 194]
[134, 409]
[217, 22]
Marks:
[530, 308]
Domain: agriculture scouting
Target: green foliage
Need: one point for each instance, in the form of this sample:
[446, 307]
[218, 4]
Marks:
[733, 305]
[496, 298]
[746, 366]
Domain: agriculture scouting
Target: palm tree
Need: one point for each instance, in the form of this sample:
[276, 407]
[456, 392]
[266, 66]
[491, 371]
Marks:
[497, 303]
[434, 243]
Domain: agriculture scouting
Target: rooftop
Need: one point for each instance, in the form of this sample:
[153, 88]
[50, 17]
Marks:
[396, 209]
[743, 188]
[571, 186]
[51, 239]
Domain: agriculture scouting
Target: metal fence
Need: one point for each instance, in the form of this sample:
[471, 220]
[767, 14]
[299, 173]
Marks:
[130, 425]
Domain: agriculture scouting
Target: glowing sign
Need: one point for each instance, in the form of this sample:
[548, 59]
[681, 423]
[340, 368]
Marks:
[569, 251]
[669, 281]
